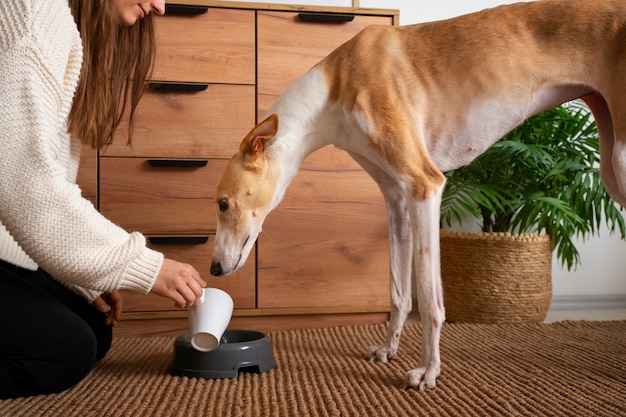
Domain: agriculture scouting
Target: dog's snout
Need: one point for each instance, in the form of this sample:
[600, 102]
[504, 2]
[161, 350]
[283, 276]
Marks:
[216, 269]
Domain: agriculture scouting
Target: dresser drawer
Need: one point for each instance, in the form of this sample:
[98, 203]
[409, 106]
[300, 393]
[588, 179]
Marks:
[178, 123]
[289, 45]
[240, 285]
[159, 200]
[216, 47]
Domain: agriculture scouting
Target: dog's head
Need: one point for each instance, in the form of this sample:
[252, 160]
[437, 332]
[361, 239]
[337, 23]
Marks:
[244, 195]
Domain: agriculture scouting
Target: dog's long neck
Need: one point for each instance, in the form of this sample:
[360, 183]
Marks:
[305, 126]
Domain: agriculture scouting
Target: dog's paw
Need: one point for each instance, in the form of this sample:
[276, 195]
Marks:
[422, 378]
[381, 354]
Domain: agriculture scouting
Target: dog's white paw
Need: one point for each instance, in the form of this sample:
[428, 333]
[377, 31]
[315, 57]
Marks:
[422, 378]
[381, 353]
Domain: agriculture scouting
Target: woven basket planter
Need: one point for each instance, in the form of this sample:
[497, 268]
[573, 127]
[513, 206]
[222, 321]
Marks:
[496, 277]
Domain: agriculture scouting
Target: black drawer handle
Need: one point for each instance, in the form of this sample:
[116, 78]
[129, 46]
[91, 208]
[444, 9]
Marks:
[185, 9]
[167, 86]
[178, 163]
[178, 240]
[326, 17]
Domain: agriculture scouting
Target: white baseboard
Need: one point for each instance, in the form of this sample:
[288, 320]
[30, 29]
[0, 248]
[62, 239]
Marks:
[588, 302]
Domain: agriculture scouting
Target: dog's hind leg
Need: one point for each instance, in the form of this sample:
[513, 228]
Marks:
[612, 133]
[400, 255]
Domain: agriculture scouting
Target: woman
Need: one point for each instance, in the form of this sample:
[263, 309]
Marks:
[69, 69]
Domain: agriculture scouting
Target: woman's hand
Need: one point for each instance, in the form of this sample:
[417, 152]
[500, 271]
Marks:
[179, 282]
[110, 303]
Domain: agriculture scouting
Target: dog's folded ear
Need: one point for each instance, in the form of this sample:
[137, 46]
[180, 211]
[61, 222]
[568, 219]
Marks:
[254, 143]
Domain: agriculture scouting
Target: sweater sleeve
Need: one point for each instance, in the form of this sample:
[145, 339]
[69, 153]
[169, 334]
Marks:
[40, 204]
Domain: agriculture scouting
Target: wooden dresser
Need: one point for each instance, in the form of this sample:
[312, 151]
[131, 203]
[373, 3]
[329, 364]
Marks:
[322, 258]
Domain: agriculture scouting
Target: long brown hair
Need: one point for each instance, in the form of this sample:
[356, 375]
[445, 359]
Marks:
[117, 60]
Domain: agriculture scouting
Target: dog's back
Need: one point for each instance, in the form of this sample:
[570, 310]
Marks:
[506, 63]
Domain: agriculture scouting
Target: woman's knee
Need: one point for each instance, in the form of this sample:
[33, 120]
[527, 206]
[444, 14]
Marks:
[67, 360]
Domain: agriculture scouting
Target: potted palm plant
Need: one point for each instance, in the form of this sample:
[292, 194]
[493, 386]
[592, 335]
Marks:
[532, 192]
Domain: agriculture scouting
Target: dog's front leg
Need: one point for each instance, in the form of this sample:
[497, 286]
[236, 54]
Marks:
[425, 224]
[400, 255]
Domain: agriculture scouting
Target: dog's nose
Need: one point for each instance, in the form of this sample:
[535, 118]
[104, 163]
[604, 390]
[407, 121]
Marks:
[216, 269]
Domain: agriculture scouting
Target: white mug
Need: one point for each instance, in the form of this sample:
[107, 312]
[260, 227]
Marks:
[209, 318]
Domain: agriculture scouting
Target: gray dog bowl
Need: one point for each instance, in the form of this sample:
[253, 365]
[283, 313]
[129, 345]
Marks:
[239, 350]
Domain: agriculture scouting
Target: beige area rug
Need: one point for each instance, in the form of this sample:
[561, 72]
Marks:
[558, 369]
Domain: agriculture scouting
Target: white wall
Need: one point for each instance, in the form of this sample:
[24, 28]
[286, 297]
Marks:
[603, 270]
[411, 11]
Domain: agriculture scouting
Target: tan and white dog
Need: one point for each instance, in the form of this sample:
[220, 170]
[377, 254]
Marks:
[409, 103]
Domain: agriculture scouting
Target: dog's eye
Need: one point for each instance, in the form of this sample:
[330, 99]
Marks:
[223, 204]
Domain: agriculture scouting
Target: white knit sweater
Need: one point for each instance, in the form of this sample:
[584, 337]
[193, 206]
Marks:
[44, 221]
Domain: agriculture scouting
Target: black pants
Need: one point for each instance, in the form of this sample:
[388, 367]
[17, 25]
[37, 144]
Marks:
[50, 337]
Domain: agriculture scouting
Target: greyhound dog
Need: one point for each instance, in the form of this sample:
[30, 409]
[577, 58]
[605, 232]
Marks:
[409, 103]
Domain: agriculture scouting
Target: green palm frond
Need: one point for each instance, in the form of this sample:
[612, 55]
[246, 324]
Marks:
[541, 177]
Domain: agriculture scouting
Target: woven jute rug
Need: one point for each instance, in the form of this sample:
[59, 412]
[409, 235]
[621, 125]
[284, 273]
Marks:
[558, 369]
